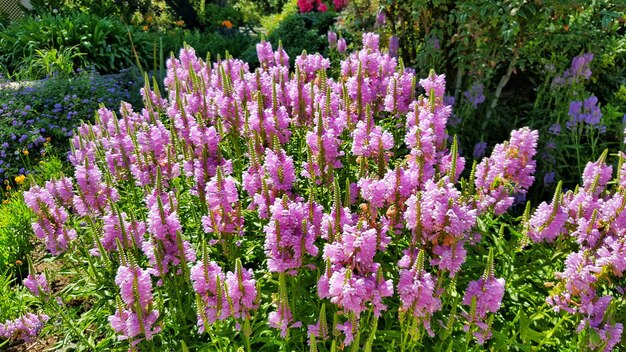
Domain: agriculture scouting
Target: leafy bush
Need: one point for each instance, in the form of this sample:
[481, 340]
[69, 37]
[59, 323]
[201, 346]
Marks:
[45, 113]
[236, 44]
[16, 241]
[300, 32]
[86, 40]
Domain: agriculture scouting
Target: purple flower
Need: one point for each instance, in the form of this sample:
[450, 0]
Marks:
[394, 43]
[134, 316]
[342, 45]
[332, 39]
[548, 178]
[555, 129]
[475, 94]
[416, 288]
[487, 293]
[26, 327]
[37, 284]
[381, 19]
[479, 150]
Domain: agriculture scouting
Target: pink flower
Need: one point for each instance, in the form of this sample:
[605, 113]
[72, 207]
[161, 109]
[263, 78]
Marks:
[37, 284]
[25, 327]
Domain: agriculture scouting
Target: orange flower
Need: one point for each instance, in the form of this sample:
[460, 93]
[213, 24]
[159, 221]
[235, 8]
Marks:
[145, 28]
[20, 179]
[228, 24]
[149, 19]
[180, 23]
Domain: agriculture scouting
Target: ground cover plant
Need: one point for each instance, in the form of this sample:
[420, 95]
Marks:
[38, 118]
[287, 209]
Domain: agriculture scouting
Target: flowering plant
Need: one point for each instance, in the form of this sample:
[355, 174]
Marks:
[332, 212]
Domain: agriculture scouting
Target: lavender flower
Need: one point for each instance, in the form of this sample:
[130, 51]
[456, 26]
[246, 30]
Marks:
[26, 327]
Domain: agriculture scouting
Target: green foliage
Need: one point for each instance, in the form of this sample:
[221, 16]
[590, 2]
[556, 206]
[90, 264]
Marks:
[264, 7]
[85, 40]
[15, 235]
[214, 17]
[271, 22]
[300, 32]
[236, 44]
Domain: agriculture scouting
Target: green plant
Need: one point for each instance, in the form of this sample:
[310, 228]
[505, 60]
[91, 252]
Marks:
[47, 62]
[88, 40]
[15, 235]
[37, 119]
[236, 44]
[298, 32]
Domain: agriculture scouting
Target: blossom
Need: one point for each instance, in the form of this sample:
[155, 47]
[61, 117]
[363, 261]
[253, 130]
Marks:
[416, 288]
[37, 284]
[475, 95]
[342, 45]
[134, 316]
[509, 169]
[26, 327]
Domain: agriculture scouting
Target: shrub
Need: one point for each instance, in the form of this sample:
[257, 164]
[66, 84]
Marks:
[86, 40]
[300, 32]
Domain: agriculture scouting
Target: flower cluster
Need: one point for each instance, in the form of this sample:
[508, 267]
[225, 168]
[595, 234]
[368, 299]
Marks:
[135, 317]
[584, 112]
[475, 95]
[219, 295]
[34, 117]
[318, 5]
[159, 185]
[51, 217]
[26, 327]
[509, 169]
[595, 218]
[37, 284]
[578, 71]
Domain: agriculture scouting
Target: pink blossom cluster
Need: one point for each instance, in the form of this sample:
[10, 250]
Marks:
[37, 284]
[594, 216]
[220, 295]
[508, 170]
[483, 296]
[52, 216]
[291, 233]
[352, 279]
[26, 327]
[135, 319]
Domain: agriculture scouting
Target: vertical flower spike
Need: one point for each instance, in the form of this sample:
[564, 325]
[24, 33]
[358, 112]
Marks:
[548, 221]
[51, 220]
[163, 247]
[287, 240]
[353, 280]
[224, 216]
[483, 296]
[135, 317]
[416, 288]
[508, 170]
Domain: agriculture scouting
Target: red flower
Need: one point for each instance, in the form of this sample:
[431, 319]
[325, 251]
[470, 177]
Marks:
[305, 5]
[338, 5]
